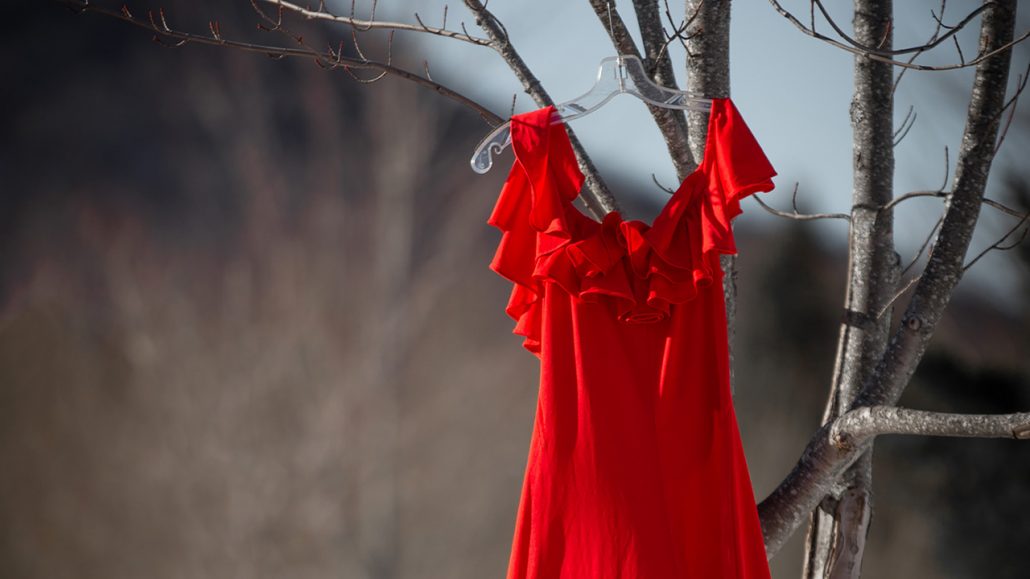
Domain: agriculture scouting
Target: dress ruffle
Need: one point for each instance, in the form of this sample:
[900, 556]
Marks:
[640, 270]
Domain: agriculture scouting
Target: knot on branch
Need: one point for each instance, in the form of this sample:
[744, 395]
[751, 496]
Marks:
[851, 430]
[859, 320]
[842, 440]
[829, 503]
[1021, 432]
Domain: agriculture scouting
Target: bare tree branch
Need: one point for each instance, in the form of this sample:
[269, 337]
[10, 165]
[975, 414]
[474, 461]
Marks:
[329, 59]
[276, 25]
[925, 47]
[870, 49]
[364, 25]
[860, 425]
[679, 32]
[672, 123]
[837, 445]
[600, 201]
[997, 245]
[801, 216]
[668, 190]
[1003, 208]
[912, 195]
[944, 195]
[906, 125]
[1000, 244]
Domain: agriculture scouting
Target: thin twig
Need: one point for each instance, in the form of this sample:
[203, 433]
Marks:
[801, 216]
[680, 32]
[874, 54]
[668, 190]
[945, 194]
[958, 49]
[933, 37]
[912, 195]
[1003, 208]
[998, 245]
[906, 125]
[890, 303]
[926, 244]
[1011, 106]
[938, 193]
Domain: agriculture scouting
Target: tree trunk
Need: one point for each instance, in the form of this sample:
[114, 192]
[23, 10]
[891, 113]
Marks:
[708, 74]
[836, 535]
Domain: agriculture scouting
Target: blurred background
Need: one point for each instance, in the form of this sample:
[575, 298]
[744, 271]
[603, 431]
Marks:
[247, 327]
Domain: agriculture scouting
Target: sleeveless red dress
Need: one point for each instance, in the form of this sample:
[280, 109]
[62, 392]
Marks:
[636, 470]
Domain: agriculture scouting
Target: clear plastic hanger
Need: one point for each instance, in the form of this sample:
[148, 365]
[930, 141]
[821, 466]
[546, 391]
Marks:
[623, 74]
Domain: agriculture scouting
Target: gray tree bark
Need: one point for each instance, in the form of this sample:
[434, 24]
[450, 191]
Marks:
[838, 527]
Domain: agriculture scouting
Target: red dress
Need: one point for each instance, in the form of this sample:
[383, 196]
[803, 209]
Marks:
[635, 469]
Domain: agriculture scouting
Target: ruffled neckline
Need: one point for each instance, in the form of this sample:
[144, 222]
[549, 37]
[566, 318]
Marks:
[640, 270]
[548, 112]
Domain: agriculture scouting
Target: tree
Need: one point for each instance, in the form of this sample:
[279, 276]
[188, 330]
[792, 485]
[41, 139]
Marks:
[875, 360]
